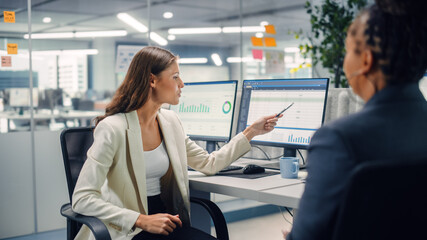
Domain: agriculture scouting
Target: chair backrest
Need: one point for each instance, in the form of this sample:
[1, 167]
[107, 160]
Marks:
[74, 143]
[384, 200]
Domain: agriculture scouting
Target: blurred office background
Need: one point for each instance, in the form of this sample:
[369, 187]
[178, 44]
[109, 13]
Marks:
[80, 51]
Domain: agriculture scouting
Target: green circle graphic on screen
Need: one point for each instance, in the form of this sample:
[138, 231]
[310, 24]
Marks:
[226, 107]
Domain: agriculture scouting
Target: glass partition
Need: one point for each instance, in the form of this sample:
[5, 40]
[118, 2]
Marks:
[15, 101]
[273, 51]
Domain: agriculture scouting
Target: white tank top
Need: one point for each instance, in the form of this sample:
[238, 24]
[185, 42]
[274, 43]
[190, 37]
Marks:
[156, 165]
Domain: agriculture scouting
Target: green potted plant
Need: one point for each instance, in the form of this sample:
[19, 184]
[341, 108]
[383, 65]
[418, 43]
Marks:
[326, 41]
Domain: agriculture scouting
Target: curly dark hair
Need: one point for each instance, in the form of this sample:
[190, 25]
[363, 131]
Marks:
[396, 31]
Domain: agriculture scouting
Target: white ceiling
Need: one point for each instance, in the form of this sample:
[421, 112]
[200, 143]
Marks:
[92, 15]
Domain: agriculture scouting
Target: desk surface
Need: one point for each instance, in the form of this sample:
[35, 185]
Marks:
[271, 189]
[238, 187]
[288, 196]
[49, 115]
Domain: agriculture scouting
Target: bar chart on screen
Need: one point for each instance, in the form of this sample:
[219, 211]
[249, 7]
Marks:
[201, 108]
[206, 109]
[298, 122]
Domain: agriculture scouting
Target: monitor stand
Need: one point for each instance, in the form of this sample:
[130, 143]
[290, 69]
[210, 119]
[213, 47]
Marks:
[292, 152]
[289, 152]
[210, 146]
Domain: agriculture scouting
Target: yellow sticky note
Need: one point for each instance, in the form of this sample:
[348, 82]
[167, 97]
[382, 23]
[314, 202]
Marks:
[270, 29]
[270, 42]
[12, 48]
[8, 16]
[257, 42]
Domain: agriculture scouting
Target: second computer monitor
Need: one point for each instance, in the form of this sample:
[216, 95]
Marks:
[299, 122]
[206, 109]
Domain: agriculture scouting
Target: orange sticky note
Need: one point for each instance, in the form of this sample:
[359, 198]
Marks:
[257, 53]
[270, 42]
[270, 29]
[12, 48]
[8, 16]
[257, 42]
[6, 61]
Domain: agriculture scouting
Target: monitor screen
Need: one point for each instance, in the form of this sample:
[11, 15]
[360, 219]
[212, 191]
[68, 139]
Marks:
[206, 109]
[20, 97]
[51, 98]
[299, 122]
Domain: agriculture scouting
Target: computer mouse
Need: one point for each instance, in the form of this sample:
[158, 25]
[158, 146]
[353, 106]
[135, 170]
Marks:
[252, 168]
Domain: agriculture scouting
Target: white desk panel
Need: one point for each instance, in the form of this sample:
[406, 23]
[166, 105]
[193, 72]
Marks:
[238, 187]
[288, 196]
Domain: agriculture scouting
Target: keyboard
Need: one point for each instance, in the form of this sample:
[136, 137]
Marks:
[231, 168]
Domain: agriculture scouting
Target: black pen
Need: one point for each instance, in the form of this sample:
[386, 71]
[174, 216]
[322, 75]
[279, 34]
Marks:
[286, 108]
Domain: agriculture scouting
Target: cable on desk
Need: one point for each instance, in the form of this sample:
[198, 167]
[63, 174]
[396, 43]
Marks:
[302, 158]
[266, 155]
[283, 215]
[253, 158]
[289, 211]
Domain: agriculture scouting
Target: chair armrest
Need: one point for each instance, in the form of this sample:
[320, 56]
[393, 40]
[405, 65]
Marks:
[98, 228]
[216, 215]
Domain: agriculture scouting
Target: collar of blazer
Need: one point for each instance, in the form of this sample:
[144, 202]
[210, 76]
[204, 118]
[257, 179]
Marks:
[137, 156]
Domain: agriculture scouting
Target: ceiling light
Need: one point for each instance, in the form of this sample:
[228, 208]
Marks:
[259, 35]
[66, 52]
[47, 19]
[167, 15]
[210, 30]
[128, 19]
[216, 59]
[171, 37]
[263, 23]
[243, 29]
[50, 35]
[117, 33]
[192, 60]
[77, 34]
[158, 39]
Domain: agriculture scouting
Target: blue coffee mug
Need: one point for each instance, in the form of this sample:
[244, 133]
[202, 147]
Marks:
[289, 167]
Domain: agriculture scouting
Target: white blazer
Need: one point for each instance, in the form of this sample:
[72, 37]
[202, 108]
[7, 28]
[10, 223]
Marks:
[112, 182]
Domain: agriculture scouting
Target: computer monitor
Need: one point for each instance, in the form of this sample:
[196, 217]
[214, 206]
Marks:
[295, 129]
[20, 97]
[206, 110]
[51, 98]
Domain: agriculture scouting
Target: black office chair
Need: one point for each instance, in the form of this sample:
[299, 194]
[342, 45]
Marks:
[385, 200]
[75, 143]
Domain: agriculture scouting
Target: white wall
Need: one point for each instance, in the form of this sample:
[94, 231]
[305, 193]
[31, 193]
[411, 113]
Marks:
[104, 64]
[195, 73]
[16, 183]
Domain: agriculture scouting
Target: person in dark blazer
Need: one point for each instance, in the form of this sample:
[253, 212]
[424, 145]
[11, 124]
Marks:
[386, 56]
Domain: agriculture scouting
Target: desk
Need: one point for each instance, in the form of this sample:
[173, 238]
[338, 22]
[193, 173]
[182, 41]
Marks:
[83, 116]
[271, 189]
[253, 189]
[288, 196]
